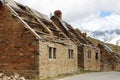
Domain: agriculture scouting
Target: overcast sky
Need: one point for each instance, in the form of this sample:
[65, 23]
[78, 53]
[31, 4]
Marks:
[83, 14]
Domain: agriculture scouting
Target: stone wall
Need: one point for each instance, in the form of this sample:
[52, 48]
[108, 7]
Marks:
[117, 67]
[18, 47]
[106, 67]
[62, 64]
[107, 62]
[91, 61]
[117, 64]
[20, 52]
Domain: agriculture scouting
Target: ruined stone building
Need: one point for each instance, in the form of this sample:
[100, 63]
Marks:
[32, 45]
[88, 55]
[109, 59]
[116, 62]
[106, 57]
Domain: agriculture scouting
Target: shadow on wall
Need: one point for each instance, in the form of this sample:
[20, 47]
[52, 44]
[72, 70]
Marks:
[0, 4]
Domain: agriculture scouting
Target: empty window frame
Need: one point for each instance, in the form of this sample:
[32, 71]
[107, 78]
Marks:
[96, 55]
[89, 54]
[52, 53]
[70, 53]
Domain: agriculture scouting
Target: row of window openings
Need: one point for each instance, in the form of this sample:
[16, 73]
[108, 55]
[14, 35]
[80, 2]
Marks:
[52, 53]
[89, 55]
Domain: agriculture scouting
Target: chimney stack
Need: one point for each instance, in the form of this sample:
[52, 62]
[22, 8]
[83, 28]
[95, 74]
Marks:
[58, 13]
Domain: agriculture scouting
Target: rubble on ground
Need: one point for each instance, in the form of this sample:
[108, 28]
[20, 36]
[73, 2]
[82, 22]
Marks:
[16, 76]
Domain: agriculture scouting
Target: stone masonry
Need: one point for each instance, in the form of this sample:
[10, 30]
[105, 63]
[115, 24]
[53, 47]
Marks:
[21, 52]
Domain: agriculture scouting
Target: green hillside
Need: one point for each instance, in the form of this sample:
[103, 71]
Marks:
[95, 42]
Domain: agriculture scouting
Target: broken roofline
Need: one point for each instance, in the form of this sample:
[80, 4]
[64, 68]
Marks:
[5, 3]
[29, 28]
[26, 25]
[43, 19]
[13, 5]
[67, 27]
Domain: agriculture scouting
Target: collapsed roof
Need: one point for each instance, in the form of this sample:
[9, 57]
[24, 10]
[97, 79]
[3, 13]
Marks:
[36, 21]
[105, 47]
[39, 23]
[73, 34]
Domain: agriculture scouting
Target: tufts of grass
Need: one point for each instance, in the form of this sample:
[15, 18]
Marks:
[59, 76]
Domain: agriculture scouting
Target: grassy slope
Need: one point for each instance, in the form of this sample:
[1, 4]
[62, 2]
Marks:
[115, 48]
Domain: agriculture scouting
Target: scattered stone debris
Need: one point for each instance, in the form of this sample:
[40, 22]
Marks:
[16, 76]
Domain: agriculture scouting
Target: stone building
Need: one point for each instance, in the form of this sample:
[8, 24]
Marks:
[109, 59]
[31, 44]
[106, 57]
[88, 55]
[116, 62]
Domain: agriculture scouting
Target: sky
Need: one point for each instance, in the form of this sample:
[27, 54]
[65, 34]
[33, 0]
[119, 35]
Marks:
[83, 14]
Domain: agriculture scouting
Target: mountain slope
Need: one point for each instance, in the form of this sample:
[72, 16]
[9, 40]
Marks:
[109, 36]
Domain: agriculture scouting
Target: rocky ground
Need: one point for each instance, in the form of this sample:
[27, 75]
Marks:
[11, 77]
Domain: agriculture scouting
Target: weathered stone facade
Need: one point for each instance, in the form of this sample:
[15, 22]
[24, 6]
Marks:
[18, 47]
[83, 45]
[117, 66]
[33, 45]
[59, 65]
[27, 42]
[91, 58]
[109, 59]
